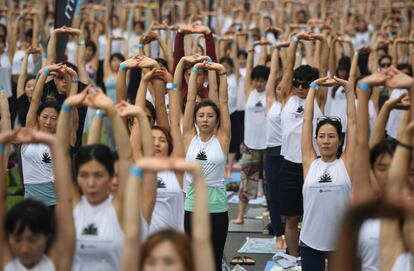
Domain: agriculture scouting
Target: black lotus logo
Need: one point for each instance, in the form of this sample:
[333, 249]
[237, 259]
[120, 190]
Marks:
[46, 158]
[161, 183]
[325, 178]
[300, 109]
[91, 229]
[201, 156]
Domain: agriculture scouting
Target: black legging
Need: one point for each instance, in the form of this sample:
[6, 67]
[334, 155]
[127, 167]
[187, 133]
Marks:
[219, 227]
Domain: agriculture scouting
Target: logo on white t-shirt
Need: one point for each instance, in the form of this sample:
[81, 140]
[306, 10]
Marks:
[91, 229]
[325, 178]
[201, 155]
[161, 183]
[46, 158]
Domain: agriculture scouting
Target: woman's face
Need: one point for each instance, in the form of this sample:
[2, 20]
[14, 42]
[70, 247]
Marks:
[164, 257]
[29, 88]
[28, 247]
[206, 119]
[381, 167]
[89, 53]
[328, 140]
[47, 120]
[160, 143]
[94, 181]
[115, 64]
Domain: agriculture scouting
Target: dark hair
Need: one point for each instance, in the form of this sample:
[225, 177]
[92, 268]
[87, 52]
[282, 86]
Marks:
[227, 60]
[28, 78]
[33, 215]
[4, 29]
[71, 65]
[48, 104]
[117, 55]
[168, 137]
[162, 62]
[384, 57]
[180, 241]
[99, 152]
[403, 66]
[151, 109]
[242, 53]
[28, 35]
[384, 147]
[91, 44]
[260, 72]
[306, 73]
[2, 39]
[344, 63]
[140, 23]
[338, 127]
[206, 103]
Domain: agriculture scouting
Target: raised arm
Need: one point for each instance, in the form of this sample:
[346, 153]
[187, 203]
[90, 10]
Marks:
[23, 75]
[130, 260]
[361, 181]
[121, 87]
[150, 185]
[94, 134]
[107, 64]
[224, 131]
[351, 124]
[308, 153]
[5, 122]
[189, 130]
[249, 68]
[402, 102]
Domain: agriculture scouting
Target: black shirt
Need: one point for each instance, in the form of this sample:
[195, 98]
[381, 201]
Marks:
[23, 105]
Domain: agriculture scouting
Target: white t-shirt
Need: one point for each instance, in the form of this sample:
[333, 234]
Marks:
[326, 195]
[369, 245]
[337, 106]
[211, 158]
[255, 121]
[395, 115]
[45, 264]
[240, 90]
[5, 74]
[71, 50]
[99, 237]
[404, 262]
[117, 45]
[18, 60]
[37, 164]
[292, 120]
[169, 205]
[102, 46]
[274, 125]
[232, 93]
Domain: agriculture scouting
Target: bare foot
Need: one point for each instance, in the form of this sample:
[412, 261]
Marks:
[238, 221]
[280, 243]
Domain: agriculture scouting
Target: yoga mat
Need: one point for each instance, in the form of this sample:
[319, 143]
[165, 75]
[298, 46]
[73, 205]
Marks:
[259, 246]
[250, 225]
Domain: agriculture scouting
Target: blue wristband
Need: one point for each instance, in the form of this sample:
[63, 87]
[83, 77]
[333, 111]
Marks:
[46, 71]
[254, 43]
[65, 107]
[123, 67]
[2, 149]
[195, 69]
[314, 86]
[140, 45]
[136, 172]
[1, 87]
[209, 59]
[171, 86]
[365, 87]
[100, 114]
[37, 77]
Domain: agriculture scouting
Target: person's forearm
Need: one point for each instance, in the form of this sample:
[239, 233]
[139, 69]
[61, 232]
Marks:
[380, 124]
[159, 101]
[120, 134]
[121, 87]
[22, 77]
[178, 48]
[51, 49]
[94, 134]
